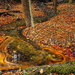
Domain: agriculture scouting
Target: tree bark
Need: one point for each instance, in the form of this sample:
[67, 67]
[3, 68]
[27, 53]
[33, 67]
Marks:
[30, 7]
[25, 5]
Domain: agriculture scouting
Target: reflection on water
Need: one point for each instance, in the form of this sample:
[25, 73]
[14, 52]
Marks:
[15, 56]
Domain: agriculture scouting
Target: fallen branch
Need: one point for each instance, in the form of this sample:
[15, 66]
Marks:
[63, 68]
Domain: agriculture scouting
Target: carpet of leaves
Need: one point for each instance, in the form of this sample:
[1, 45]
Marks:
[58, 31]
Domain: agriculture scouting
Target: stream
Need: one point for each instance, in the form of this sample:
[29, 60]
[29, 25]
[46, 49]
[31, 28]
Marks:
[11, 59]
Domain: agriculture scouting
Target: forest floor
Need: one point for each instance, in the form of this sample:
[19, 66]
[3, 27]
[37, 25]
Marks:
[57, 32]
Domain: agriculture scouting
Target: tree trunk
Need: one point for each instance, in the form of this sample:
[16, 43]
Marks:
[30, 7]
[25, 5]
[55, 6]
[70, 1]
[59, 68]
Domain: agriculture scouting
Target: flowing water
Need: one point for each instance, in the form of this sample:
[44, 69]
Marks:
[12, 59]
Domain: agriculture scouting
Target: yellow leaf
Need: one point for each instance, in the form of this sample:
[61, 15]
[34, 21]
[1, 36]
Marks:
[41, 71]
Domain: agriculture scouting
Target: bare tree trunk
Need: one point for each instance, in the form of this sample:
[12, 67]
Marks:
[55, 6]
[30, 7]
[25, 5]
[70, 1]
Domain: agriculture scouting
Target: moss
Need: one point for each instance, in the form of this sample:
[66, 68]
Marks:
[13, 33]
[14, 24]
[22, 45]
[63, 68]
[40, 19]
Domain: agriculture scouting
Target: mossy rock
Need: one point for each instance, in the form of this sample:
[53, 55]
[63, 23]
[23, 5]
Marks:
[22, 45]
[13, 33]
[14, 24]
[32, 55]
